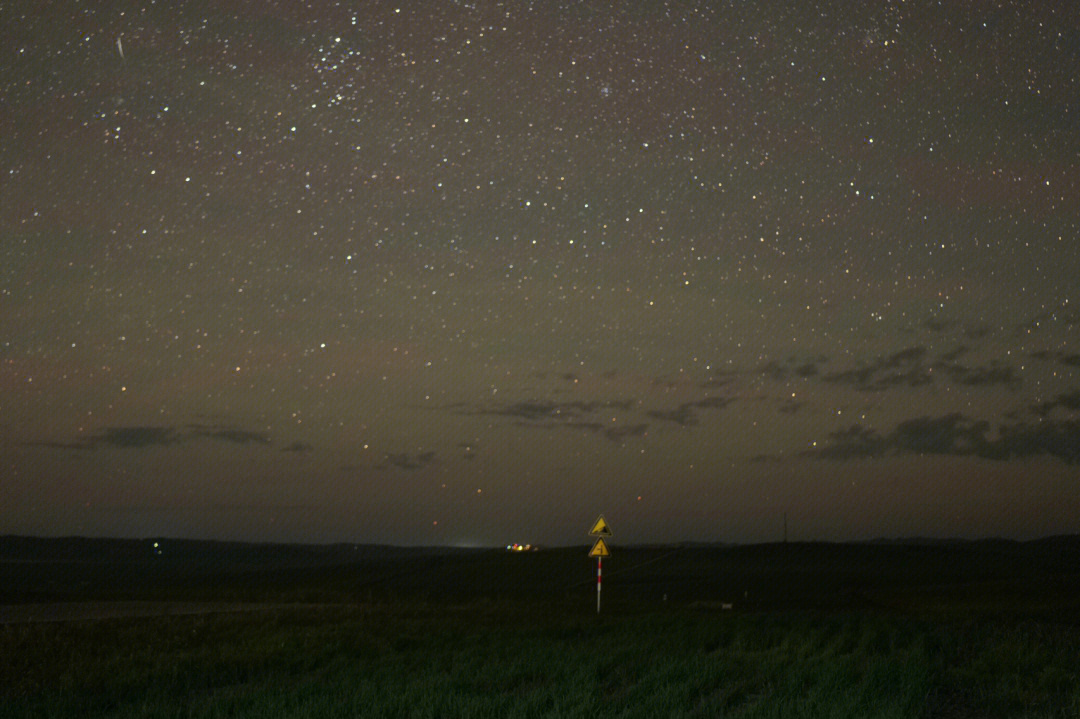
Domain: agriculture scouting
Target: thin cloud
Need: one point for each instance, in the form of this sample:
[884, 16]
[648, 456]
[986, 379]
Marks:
[903, 368]
[995, 374]
[142, 437]
[908, 368]
[135, 437]
[236, 436]
[1067, 400]
[589, 426]
[409, 462]
[683, 415]
[540, 411]
[955, 354]
[686, 414]
[773, 370]
[1059, 439]
[937, 325]
[954, 434]
[804, 368]
[1069, 360]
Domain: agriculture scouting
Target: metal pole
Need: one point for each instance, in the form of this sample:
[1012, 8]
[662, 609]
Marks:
[599, 564]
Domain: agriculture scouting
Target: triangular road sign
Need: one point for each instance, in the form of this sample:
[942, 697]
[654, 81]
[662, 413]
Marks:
[600, 528]
[599, 549]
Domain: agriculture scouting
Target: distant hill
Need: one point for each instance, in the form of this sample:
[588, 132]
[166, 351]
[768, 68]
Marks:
[762, 576]
[93, 549]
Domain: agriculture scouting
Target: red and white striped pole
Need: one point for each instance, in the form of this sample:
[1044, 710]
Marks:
[599, 564]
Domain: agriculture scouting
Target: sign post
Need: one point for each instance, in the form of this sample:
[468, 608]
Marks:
[600, 529]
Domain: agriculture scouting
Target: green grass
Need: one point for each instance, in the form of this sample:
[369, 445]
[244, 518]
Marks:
[988, 629]
[521, 659]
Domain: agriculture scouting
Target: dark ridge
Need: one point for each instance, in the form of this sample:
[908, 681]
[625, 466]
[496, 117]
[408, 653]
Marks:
[757, 576]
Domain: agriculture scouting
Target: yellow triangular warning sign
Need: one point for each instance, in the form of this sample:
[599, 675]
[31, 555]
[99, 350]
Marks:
[599, 549]
[600, 528]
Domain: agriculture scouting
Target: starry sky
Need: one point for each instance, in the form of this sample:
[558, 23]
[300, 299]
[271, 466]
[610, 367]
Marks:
[470, 273]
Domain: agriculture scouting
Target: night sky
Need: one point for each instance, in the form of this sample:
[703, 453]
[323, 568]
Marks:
[473, 273]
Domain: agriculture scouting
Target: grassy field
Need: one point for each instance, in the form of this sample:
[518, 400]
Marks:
[517, 660]
[986, 645]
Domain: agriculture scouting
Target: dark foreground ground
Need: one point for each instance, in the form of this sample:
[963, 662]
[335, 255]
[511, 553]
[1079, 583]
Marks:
[985, 629]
